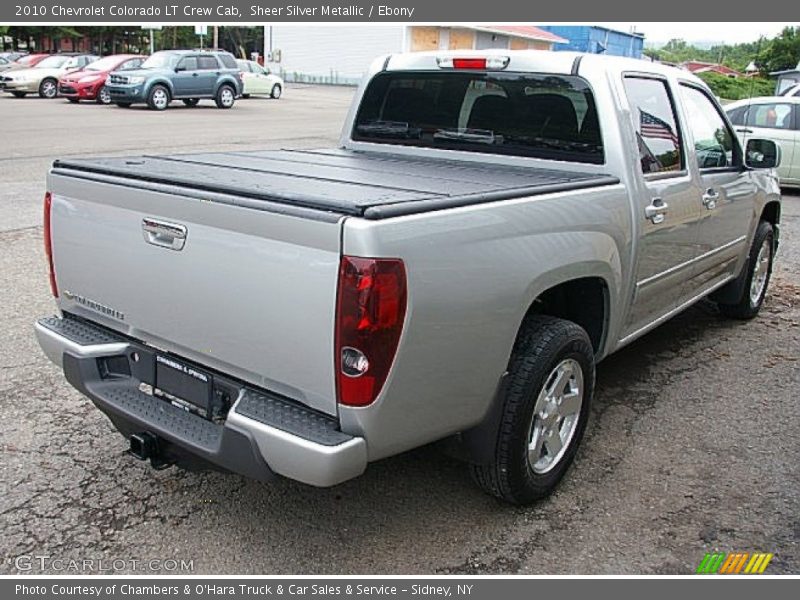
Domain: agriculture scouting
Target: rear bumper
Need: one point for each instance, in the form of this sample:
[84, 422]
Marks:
[261, 435]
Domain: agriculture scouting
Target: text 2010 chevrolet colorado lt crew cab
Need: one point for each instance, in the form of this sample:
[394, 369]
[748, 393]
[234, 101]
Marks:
[492, 225]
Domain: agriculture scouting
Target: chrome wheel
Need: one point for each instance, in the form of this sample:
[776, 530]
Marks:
[49, 89]
[760, 271]
[160, 98]
[226, 97]
[555, 416]
[104, 96]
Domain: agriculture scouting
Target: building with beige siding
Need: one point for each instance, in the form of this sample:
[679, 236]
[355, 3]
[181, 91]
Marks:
[341, 54]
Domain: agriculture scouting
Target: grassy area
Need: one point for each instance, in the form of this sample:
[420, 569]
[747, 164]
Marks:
[730, 88]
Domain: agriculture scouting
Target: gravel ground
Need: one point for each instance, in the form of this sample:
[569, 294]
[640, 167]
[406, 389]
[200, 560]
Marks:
[692, 447]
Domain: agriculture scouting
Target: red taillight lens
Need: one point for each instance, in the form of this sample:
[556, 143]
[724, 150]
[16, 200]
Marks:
[469, 63]
[48, 242]
[370, 310]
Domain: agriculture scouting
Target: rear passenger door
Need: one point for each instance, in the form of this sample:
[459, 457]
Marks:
[667, 204]
[727, 191]
[208, 74]
[184, 82]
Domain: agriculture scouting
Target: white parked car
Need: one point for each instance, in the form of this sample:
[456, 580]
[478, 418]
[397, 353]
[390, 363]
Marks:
[776, 118]
[258, 80]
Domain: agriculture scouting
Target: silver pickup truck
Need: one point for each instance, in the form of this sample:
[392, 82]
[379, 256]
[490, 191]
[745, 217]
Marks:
[491, 226]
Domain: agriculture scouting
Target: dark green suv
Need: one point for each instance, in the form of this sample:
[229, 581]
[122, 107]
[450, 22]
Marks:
[187, 75]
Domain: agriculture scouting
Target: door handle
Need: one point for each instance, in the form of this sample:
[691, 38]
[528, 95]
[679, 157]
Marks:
[744, 130]
[164, 234]
[656, 211]
[710, 198]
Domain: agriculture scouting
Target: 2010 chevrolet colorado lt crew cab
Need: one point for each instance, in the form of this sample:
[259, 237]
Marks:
[491, 225]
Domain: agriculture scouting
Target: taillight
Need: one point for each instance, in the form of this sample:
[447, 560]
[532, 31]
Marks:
[48, 242]
[370, 310]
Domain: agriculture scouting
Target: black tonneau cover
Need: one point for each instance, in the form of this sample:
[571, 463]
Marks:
[344, 182]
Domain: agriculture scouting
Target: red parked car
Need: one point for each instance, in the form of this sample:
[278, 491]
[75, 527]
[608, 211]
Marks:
[90, 82]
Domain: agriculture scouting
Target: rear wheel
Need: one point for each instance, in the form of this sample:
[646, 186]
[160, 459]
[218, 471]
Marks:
[48, 89]
[226, 96]
[276, 92]
[544, 413]
[158, 98]
[103, 95]
[191, 101]
[19, 94]
[759, 270]
[245, 96]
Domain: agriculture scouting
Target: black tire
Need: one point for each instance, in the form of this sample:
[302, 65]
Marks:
[48, 88]
[245, 96]
[276, 91]
[226, 96]
[19, 94]
[543, 344]
[750, 303]
[158, 98]
[191, 101]
[103, 96]
[124, 104]
[72, 100]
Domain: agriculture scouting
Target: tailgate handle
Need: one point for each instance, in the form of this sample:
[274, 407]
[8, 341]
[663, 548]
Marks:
[164, 234]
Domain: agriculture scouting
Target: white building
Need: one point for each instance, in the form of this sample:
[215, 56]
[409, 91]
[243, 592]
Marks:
[341, 54]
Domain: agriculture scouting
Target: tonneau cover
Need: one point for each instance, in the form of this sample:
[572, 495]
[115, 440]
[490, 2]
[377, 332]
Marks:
[366, 184]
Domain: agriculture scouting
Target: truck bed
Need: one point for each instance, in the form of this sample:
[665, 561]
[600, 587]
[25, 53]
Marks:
[332, 182]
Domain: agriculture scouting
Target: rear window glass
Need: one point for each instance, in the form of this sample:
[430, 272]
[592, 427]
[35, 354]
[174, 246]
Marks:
[520, 114]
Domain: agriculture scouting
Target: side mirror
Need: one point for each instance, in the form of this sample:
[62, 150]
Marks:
[179, 68]
[267, 71]
[762, 154]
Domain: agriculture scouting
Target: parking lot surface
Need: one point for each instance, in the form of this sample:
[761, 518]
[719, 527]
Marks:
[693, 445]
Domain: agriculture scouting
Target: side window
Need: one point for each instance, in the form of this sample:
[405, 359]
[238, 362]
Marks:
[656, 126]
[207, 63]
[228, 60]
[737, 115]
[133, 63]
[188, 64]
[714, 142]
[772, 115]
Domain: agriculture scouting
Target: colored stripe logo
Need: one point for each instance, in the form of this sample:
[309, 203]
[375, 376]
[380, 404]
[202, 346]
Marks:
[734, 563]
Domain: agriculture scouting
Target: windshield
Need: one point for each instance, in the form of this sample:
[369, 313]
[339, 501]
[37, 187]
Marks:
[160, 60]
[521, 114]
[53, 62]
[104, 64]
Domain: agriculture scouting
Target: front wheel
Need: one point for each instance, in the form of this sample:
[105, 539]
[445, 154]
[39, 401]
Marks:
[757, 275]
[48, 89]
[544, 413]
[276, 92]
[225, 97]
[158, 98]
[19, 94]
[103, 95]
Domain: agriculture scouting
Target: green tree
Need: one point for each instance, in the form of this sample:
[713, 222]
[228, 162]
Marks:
[783, 52]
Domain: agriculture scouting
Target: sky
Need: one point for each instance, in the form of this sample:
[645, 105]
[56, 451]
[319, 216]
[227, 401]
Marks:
[731, 33]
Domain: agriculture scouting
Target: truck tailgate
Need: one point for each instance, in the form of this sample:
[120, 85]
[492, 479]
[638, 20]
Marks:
[250, 293]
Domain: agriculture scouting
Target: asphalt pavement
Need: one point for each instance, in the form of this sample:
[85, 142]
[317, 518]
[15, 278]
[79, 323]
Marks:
[693, 444]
